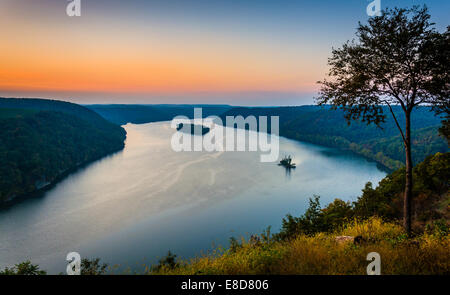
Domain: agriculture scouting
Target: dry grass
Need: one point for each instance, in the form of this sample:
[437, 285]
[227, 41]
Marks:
[321, 254]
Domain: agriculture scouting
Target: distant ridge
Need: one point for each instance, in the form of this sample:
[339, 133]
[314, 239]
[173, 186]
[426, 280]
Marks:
[138, 114]
[310, 123]
[52, 105]
[325, 126]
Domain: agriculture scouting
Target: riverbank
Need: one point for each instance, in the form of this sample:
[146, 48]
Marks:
[38, 193]
[330, 240]
[336, 239]
[313, 124]
[143, 194]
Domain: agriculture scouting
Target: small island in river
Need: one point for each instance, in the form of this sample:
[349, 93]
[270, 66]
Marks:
[287, 162]
[193, 129]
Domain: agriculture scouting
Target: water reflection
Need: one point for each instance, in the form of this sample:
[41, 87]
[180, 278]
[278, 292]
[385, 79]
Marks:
[139, 203]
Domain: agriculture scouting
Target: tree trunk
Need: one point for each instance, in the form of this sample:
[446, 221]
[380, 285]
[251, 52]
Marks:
[409, 178]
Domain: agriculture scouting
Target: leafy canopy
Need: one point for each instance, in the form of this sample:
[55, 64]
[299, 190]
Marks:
[398, 58]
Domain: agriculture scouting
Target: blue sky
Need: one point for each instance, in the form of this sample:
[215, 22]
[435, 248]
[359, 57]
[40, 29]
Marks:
[178, 51]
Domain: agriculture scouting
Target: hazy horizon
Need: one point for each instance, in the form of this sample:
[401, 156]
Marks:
[234, 99]
[215, 52]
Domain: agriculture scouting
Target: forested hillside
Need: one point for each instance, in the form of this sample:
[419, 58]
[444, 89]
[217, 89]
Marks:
[139, 114]
[40, 140]
[315, 124]
[324, 126]
[36, 104]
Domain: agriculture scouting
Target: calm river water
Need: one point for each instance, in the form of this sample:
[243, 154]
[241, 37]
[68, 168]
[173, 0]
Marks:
[130, 208]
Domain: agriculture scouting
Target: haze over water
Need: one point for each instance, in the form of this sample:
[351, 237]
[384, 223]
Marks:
[130, 208]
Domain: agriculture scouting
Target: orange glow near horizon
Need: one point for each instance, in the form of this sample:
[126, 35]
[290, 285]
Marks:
[145, 69]
[152, 48]
[113, 55]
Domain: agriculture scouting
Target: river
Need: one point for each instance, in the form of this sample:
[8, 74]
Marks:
[130, 208]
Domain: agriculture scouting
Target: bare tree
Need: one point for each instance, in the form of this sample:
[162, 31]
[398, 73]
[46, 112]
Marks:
[399, 58]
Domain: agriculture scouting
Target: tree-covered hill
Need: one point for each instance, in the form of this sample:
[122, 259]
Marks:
[36, 104]
[324, 126]
[315, 124]
[138, 114]
[41, 140]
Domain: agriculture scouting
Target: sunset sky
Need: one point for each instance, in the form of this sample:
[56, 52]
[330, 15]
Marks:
[248, 52]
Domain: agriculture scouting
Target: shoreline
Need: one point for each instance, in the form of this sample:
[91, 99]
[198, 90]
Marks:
[38, 193]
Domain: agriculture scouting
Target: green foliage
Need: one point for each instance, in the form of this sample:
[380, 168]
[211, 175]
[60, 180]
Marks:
[88, 267]
[370, 71]
[33, 105]
[15, 113]
[321, 254]
[167, 262]
[430, 205]
[139, 114]
[234, 245]
[307, 244]
[439, 228]
[24, 268]
[430, 192]
[266, 235]
[337, 213]
[37, 147]
[93, 267]
[327, 127]
[315, 219]
[374, 203]
[315, 124]
[445, 129]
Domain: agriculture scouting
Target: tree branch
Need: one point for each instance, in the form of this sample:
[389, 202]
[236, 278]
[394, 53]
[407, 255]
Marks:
[396, 95]
[396, 122]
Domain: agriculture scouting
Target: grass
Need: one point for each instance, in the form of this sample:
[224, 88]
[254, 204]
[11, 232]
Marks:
[321, 254]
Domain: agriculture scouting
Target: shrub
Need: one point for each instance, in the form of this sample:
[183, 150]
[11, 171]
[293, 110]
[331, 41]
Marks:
[93, 267]
[24, 268]
[167, 263]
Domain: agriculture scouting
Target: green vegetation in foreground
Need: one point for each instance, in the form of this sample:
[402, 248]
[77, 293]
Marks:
[88, 267]
[309, 244]
[46, 139]
[323, 254]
